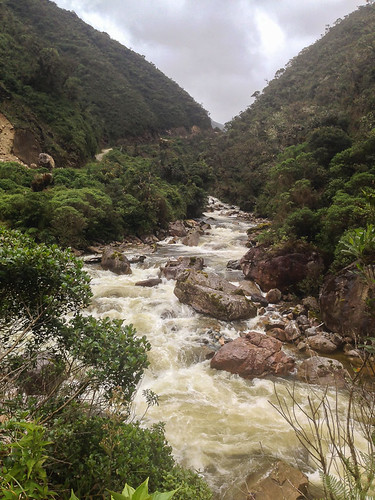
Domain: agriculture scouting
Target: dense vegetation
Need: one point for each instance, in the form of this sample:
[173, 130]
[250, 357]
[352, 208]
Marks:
[304, 152]
[104, 201]
[65, 377]
[70, 87]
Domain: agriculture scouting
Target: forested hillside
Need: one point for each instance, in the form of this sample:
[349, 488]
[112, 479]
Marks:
[68, 88]
[304, 152]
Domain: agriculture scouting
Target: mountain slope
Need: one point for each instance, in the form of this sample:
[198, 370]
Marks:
[329, 84]
[67, 87]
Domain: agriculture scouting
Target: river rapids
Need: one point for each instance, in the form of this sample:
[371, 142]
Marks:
[218, 424]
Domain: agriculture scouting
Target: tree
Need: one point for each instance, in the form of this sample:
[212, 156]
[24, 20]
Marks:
[62, 359]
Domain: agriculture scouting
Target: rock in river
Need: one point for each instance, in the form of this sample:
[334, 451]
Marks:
[212, 295]
[115, 261]
[255, 355]
[344, 304]
[281, 268]
[173, 268]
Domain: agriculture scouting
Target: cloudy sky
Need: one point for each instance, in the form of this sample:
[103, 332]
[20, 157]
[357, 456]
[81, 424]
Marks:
[220, 51]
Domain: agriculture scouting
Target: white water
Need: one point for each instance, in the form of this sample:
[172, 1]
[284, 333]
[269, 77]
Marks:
[217, 423]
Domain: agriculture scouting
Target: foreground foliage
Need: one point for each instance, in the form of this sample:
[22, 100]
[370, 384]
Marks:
[66, 387]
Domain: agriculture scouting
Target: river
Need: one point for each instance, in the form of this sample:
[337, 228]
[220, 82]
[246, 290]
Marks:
[217, 423]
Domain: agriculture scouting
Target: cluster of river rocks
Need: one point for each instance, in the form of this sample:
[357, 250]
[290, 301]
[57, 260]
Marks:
[316, 329]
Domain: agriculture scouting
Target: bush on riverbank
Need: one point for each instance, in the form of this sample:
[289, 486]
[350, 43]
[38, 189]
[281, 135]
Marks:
[67, 384]
[104, 201]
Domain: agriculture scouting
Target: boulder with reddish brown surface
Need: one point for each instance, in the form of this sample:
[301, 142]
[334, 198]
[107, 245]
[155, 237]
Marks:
[212, 295]
[281, 268]
[344, 304]
[255, 355]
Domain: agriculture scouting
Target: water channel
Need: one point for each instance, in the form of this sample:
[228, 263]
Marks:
[217, 423]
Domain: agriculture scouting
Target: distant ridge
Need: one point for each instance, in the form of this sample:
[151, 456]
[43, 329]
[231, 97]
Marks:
[331, 83]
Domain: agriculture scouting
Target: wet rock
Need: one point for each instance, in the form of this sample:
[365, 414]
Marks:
[177, 228]
[174, 267]
[322, 371]
[136, 259]
[196, 354]
[322, 344]
[115, 261]
[212, 295]
[344, 303]
[149, 282]
[311, 303]
[192, 239]
[253, 291]
[282, 482]
[281, 268]
[292, 331]
[277, 333]
[273, 296]
[234, 264]
[255, 355]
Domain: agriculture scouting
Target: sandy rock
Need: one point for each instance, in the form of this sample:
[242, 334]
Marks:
[255, 355]
[322, 371]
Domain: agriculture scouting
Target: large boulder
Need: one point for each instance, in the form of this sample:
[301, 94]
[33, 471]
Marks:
[255, 355]
[177, 228]
[281, 268]
[192, 239]
[115, 261]
[173, 268]
[322, 371]
[322, 343]
[344, 304]
[282, 481]
[212, 295]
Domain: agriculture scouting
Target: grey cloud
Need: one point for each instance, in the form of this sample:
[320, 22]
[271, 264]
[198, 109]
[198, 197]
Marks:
[213, 48]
